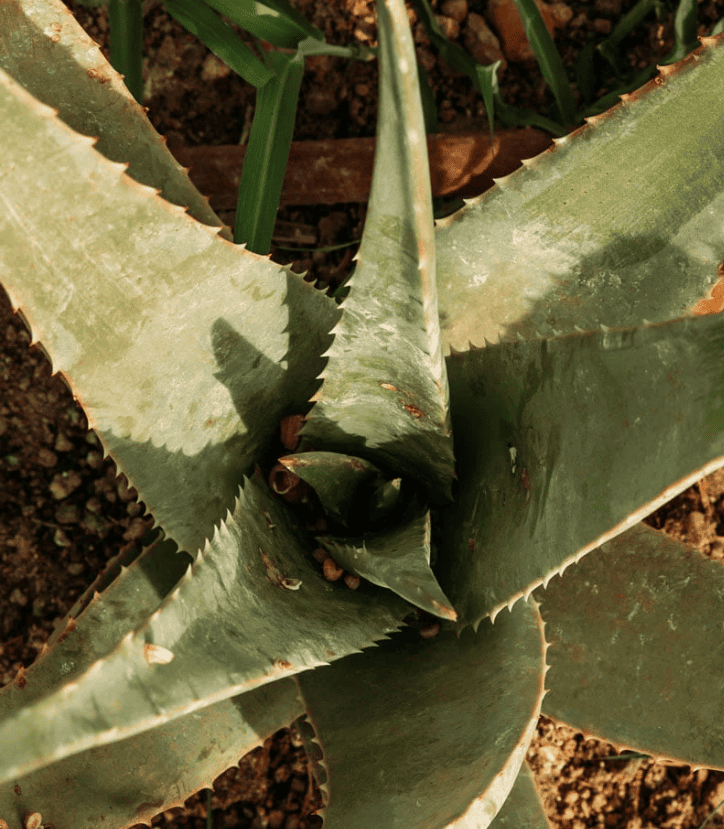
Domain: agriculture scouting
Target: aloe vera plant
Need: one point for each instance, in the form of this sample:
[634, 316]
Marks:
[459, 485]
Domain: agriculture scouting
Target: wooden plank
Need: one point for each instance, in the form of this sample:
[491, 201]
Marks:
[340, 170]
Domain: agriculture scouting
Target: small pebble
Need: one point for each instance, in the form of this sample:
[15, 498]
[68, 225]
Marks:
[47, 458]
[64, 483]
[320, 555]
[430, 631]
[331, 571]
[62, 444]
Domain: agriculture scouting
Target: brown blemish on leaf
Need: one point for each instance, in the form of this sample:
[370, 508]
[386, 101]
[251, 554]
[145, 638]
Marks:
[413, 410]
[97, 74]
[275, 576]
[20, 680]
[715, 302]
[282, 664]
[149, 806]
[525, 483]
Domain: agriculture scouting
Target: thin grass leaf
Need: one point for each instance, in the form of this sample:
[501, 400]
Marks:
[709, 817]
[609, 48]
[125, 19]
[458, 58]
[488, 85]
[269, 24]
[548, 59]
[686, 22]
[210, 29]
[266, 157]
[285, 8]
[523, 117]
[585, 72]
[429, 106]
[609, 100]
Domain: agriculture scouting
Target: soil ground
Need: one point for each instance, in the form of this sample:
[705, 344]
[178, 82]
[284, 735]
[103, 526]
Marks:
[63, 512]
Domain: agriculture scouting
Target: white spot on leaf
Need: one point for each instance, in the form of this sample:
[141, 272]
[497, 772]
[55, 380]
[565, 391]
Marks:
[157, 655]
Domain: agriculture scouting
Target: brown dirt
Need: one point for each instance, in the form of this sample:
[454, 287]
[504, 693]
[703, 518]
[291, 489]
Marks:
[64, 513]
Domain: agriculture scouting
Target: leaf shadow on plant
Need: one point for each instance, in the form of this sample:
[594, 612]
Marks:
[590, 293]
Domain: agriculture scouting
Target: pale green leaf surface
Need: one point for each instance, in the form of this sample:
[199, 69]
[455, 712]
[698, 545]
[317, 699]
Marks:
[621, 223]
[565, 443]
[117, 786]
[523, 809]
[637, 648]
[48, 53]
[396, 558]
[253, 608]
[172, 338]
[417, 733]
[385, 392]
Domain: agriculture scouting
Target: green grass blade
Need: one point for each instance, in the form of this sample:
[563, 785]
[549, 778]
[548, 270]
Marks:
[548, 59]
[267, 153]
[266, 23]
[483, 77]
[686, 21]
[203, 22]
[126, 25]
[611, 99]
[624, 27]
[487, 82]
[285, 8]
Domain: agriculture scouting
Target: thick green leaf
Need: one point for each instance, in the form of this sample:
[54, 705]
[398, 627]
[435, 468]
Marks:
[565, 443]
[619, 224]
[397, 558]
[523, 809]
[418, 733]
[385, 392]
[95, 625]
[172, 338]
[47, 52]
[253, 608]
[117, 786]
[343, 484]
[637, 647]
